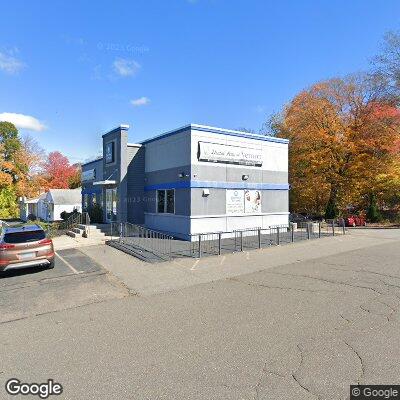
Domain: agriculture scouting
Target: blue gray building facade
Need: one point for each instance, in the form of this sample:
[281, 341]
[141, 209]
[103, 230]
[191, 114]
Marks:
[191, 180]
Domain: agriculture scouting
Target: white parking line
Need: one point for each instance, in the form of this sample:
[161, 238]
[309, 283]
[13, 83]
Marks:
[194, 265]
[68, 264]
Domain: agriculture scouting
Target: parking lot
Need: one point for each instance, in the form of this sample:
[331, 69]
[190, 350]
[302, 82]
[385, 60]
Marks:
[69, 261]
[75, 280]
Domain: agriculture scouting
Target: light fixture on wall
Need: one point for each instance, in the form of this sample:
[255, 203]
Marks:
[182, 175]
[245, 177]
[206, 192]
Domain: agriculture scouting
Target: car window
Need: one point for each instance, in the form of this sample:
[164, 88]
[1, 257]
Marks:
[24, 236]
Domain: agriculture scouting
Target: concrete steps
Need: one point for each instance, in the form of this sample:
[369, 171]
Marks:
[93, 232]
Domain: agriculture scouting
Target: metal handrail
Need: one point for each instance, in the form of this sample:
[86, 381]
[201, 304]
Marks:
[148, 241]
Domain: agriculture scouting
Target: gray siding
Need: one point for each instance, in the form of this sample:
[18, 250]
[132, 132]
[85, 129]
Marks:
[168, 175]
[214, 204]
[274, 201]
[135, 180]
[182, 202]
[150, 201]
[207, 172]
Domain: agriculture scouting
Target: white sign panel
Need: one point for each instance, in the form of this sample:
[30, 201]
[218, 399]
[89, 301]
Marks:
[234, 201]
[88, 175]
[252, 201]
[223, 153]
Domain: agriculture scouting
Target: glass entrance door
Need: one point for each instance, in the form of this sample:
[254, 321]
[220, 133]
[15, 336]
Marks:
[111, 205]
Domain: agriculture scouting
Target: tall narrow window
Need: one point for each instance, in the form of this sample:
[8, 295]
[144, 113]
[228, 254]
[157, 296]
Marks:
[170, 200]
[160, 201]
[166, 201]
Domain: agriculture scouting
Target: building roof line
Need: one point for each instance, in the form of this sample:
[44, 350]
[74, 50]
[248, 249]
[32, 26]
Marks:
[212, 129]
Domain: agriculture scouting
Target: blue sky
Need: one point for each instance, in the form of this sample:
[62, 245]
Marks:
[75, 69]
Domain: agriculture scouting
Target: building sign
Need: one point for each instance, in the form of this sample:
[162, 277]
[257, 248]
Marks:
[243, 202]
[109, 150]
[88, 175]
[252, 201]
[222, 153]
[234, 202]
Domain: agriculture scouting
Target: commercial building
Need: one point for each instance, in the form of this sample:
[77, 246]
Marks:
[194, 179]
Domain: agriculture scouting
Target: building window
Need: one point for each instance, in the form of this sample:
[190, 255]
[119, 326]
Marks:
[166, 201]
[110, 158]
[85, 201]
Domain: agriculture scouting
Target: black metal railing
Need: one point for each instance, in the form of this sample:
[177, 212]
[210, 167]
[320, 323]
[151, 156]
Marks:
[149, 242]
[166, 247]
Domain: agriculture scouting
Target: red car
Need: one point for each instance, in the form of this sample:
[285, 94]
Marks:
[355, 220]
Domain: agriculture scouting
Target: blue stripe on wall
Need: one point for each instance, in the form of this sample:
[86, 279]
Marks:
[218, 185]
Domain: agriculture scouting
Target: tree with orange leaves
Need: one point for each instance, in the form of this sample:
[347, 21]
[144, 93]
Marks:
[342, 134]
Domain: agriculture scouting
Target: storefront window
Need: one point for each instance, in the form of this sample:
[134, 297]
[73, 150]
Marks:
[166, 201]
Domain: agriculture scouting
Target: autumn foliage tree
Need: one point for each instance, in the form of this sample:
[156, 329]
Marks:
[342, 143]
[12, 169]
[58, 172]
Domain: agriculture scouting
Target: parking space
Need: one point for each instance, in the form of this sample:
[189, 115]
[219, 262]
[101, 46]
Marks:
[75, 280]
[67, 262]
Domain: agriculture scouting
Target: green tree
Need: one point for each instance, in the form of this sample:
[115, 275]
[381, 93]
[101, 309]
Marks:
[373, 214]
[8, 203]
[10, 140]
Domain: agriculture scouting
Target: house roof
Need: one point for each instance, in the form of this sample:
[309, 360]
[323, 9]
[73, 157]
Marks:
[32, 201]
[66, 196]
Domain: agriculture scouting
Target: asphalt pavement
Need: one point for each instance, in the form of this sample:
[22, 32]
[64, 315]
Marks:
[76, 279]
[300, 324]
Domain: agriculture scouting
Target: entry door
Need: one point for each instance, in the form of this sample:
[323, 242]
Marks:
[111, 205]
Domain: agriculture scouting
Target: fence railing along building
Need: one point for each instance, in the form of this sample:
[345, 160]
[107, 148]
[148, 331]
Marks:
[151, 245]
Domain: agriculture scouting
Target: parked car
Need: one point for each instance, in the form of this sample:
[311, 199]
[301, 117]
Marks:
[25, 246]
[355, 220]
[297, 218]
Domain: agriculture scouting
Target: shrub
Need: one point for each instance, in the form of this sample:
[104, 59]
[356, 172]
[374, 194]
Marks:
[331, 210]
[96, 213]
[373, 214]
[65, 215]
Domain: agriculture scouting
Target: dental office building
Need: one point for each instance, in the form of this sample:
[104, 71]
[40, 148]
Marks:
[194, 179]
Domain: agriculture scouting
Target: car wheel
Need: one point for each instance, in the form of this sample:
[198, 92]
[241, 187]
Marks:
[51, 265]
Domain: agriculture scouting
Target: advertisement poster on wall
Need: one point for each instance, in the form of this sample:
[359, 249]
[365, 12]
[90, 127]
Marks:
[234, 202]
[252, 201]
[243, 202]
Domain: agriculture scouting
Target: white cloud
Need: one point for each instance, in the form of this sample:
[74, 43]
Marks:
[23, 121]
[10, 64]
[141, 101]
[124, 67]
